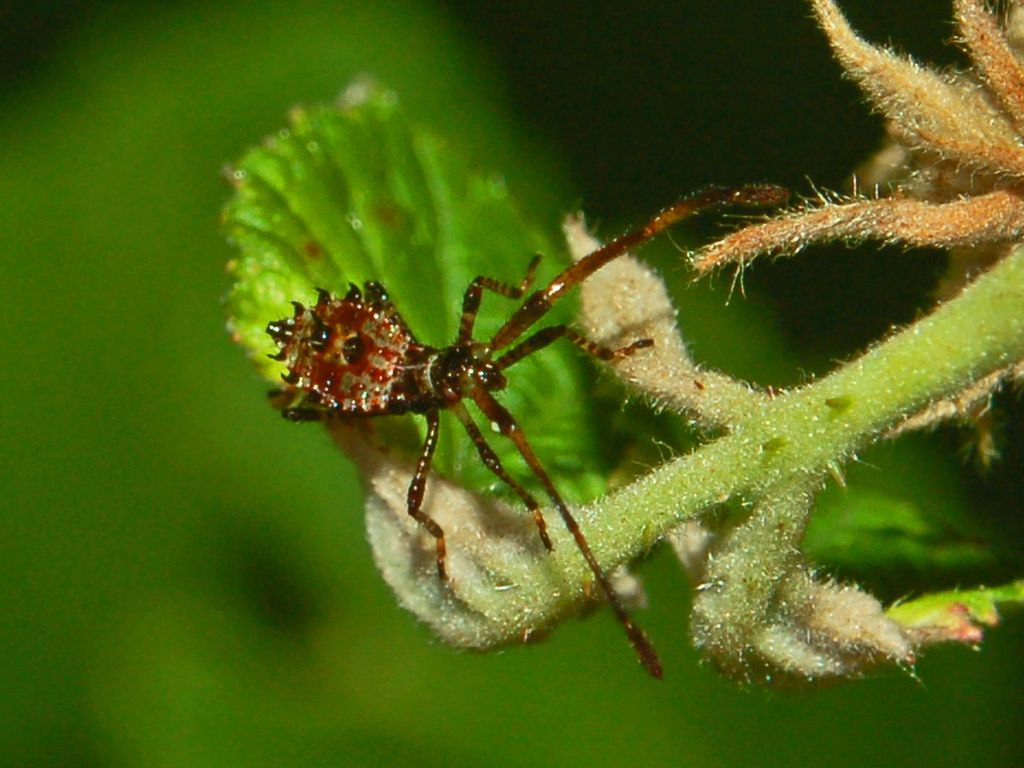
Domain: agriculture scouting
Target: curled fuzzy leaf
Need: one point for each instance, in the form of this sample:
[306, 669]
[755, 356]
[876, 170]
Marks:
[627, 301]
[503, 587]
[994, 59]
[948, 115]
[760, 614]
[997, 216]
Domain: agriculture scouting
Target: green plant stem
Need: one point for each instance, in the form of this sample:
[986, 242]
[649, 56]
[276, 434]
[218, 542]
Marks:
[808, 430]
[777, 452]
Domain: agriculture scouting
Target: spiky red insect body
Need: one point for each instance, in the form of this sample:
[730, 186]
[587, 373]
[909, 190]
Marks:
[355, 356]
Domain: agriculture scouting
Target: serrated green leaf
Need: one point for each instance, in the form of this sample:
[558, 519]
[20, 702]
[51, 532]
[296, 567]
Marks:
[353, 193]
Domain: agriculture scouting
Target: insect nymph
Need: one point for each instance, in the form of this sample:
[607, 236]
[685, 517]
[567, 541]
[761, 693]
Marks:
[354, 356]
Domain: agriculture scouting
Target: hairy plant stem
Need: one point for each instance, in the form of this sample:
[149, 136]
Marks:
[808, 430]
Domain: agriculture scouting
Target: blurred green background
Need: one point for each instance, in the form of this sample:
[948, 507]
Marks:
[187, 581]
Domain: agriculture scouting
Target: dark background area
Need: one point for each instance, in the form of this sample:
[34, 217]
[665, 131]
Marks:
[187, 581]
[644, 102]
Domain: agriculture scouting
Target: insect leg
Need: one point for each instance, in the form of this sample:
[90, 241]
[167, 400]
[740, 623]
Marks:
[471, 299]
[303, 414]
[552, 333]
[414, 500]
[493, 463]
[507, 425]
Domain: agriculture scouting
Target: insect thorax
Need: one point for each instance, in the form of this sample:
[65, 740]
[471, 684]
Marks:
[456, 371]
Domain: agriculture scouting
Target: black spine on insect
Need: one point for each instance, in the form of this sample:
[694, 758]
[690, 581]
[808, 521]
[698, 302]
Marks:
[355, 356]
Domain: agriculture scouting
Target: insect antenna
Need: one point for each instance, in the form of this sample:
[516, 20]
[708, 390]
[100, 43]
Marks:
[540, 302]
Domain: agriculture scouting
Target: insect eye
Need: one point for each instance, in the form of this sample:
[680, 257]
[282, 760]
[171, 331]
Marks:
[353, 348]
[319, 337]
